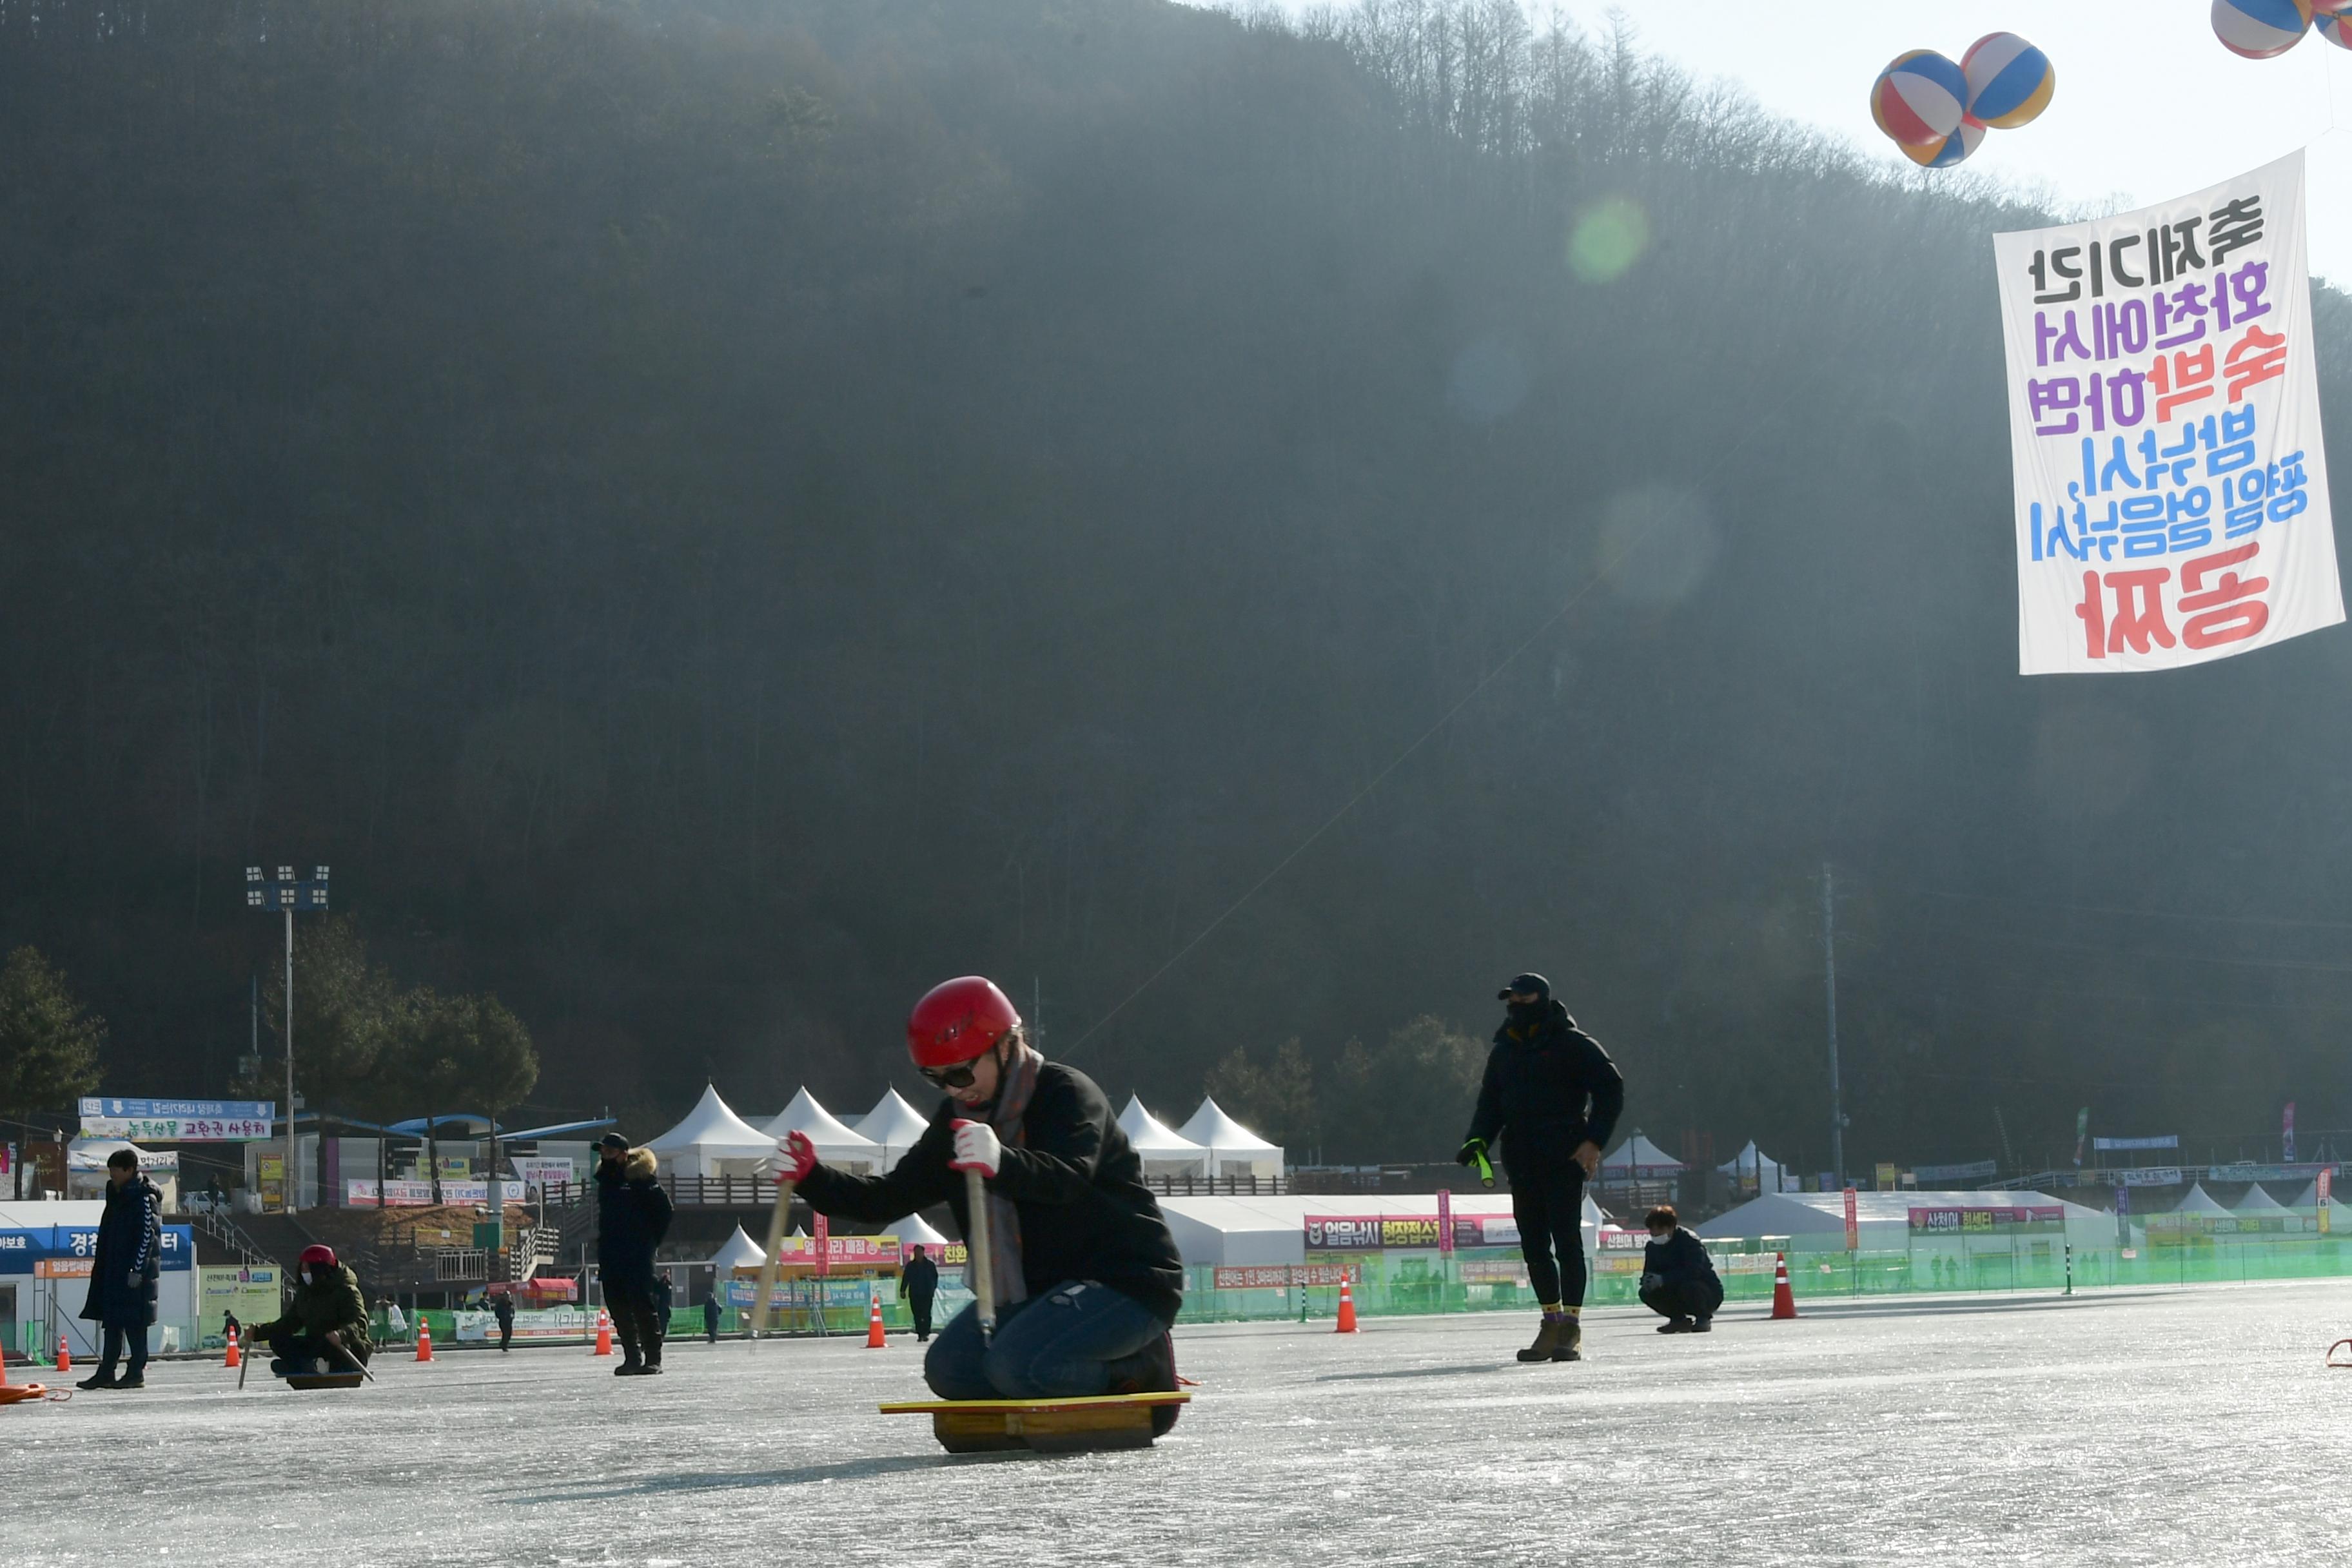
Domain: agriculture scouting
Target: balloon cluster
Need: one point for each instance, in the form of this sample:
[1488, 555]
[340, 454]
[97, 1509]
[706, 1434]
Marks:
[2261, 30]
[1937, 112]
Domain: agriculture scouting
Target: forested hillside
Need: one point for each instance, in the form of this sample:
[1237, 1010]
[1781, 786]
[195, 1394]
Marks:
[712, 517]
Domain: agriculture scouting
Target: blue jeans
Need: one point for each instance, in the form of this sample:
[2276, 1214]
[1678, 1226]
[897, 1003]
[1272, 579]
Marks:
[1054, 1346]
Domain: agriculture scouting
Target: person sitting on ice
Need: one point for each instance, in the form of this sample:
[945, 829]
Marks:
[1088, 1279]
[1678, 1279]
[325, 1327]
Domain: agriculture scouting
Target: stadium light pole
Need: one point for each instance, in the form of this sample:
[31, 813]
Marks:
[288, 893]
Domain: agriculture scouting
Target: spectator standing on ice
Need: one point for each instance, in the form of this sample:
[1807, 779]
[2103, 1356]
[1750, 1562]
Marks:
[396, 1323]
[918, 1283]
[502, 1309]
[1552, 1095]
[1086, 1278]
[710, 1315]
[633, 1215]
[123, 1270]
[1678, 1278]
[664, 1301]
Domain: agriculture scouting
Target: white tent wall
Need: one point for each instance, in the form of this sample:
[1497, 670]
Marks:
[37, 1307]
[1273, 1230]
[1815, 1222]
[1164, 1151]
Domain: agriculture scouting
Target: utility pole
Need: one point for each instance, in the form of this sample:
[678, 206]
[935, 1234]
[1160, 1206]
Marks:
[288, 893]
[1829, 975]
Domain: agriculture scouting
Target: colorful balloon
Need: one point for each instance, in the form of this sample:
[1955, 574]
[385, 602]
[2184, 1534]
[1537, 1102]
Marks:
[2337, 28]
[2258, 29]
[2010, 80]
[2331, 7]
[1920, 98]
[1951, 150]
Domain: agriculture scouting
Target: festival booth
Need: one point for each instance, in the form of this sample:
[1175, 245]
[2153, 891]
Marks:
[86, 1161]
[1277, 1257]
[1754, 1173]
[2258, 1201]
[737, 1251]
[1165, 1151]
[1233, 1149]
[1902, 1240]
[2196, 1200]
[1637, 1173]
[44, 1262]
[893, 1127]
[851, 1153]
[712, 1141]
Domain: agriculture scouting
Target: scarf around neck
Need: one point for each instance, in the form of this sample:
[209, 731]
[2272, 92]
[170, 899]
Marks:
[1019, 1082]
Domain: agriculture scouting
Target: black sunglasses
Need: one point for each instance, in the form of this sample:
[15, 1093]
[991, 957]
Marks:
[958, 1077]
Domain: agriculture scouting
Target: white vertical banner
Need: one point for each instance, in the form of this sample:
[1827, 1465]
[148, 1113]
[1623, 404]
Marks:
[2171, 487]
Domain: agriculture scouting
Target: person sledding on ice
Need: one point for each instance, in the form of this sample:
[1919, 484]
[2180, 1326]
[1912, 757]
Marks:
[325, 1328]
[1086, 1278]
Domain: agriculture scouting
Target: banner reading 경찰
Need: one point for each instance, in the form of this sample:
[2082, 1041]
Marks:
[2171, 489]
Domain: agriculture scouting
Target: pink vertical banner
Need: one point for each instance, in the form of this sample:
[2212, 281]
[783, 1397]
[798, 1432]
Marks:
[1444, 1220]
[1852, 1225]
[820, 1234]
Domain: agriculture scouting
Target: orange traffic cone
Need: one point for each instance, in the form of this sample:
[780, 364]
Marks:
[874, 1341]
[424, 1339]
[233, 1358]
[64, 1352]
[603, 1333]
[1784, 1300]
[1347, 1308]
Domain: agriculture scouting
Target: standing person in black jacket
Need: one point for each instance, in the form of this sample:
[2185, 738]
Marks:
[632, 1216]
[1088, 1279]
[1553, 1095]
[123, 1270]
[918, 1283]
[1678, 1278]
[503, 1309]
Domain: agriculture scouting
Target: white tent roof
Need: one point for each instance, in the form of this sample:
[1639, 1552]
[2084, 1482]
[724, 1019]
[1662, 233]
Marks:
[740, 1251]
[1745, 1163]
[1875, 1213]
[893, 1122]
[823, 1129]
[1267, 1230]
[88, 1154]
[2199, 1201]
[712, 1127]
[912, 1232]
[1213, 1129]
[2257, 1201]
[1644, 1156]
[1153, 1138]
[2309, 1198]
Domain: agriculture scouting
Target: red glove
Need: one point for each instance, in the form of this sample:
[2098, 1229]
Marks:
[795, 1158]
[976, 1148]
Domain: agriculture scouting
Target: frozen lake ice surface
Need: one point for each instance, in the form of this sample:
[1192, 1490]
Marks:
[2178, 1426]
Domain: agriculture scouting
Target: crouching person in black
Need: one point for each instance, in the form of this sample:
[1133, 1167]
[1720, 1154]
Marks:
[1678, 1280]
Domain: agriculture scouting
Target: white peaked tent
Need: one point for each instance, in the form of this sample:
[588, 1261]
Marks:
[2199, 1201]
[1635, 1160]
[1164, 1149]
[836, 1145]
[2257, 1201]
[713, 1142]
[1233, 1149]
[1752, 1164]
[912, 1232]
[2338, 1213]
[739, 1252]
[893, 1126]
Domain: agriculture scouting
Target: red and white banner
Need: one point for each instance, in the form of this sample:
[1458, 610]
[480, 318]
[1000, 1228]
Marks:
[2171, 487]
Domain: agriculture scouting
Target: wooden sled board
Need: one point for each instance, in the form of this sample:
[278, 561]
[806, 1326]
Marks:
[324, 1380]
[1045, 1426]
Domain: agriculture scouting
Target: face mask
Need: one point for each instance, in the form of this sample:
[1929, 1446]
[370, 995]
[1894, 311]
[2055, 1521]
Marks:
[1661, 1237]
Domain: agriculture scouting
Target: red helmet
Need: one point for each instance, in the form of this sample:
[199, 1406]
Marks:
[317, 1254]
[958, 1021]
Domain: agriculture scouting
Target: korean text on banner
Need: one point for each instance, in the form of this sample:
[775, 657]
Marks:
[2171, 491]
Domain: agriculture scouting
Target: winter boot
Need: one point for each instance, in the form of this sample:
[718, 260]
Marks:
[1571, 1340]
[136, 1380]
[1547, 1338]
[1676, 1325]
[98, 1379]
[632, 1363]
[1702, 1325]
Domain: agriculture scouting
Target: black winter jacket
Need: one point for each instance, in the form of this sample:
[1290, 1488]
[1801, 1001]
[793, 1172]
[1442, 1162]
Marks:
[1545, 1091]
[632, 1216]
[129, 1241]
[1678, 1259]
[920, 1279]
[1073, 1179]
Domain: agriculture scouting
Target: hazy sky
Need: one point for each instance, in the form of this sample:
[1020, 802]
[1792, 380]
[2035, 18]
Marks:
[2149, 104]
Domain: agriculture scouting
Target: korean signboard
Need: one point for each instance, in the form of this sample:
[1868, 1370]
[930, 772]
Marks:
[1365, 1233]
[1988, 1221]
[1283, 1276]
[2171, 487]
[178, 1120]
